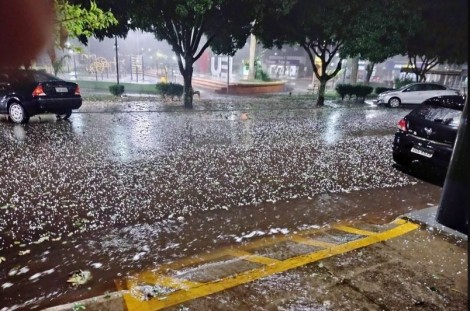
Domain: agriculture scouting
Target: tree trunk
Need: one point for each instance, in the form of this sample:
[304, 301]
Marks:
[354, 70]
[188, 88]
[370, 69]
[321, 92]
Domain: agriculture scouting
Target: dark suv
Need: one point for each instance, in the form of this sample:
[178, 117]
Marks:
[427, 134]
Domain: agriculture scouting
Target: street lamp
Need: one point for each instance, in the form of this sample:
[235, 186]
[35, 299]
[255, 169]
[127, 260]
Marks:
[68, 46]
[117, 59]
[74, 64]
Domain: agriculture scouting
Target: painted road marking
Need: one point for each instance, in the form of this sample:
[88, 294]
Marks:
[189, 290]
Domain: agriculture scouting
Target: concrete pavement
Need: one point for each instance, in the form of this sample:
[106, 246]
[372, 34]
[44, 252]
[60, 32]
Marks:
[412, 263]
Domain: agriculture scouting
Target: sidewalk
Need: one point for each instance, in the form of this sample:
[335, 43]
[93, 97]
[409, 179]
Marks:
[405, 267]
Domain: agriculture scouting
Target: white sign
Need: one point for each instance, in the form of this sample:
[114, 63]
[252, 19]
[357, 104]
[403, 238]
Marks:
[219, 66]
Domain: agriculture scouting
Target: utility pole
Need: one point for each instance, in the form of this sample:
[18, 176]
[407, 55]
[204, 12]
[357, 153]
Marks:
[228, 71]
[117, 59]
[251, 63]
[455, 199]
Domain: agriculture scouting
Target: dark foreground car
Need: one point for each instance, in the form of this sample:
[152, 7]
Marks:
[427, 134]
[25, 93]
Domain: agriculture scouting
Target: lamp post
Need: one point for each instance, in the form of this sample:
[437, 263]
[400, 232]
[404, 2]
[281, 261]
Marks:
[228, 72]
[74, 64]
[117, 59]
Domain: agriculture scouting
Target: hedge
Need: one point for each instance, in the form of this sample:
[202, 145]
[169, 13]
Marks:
[381, 89]
[116, 89]
[358, 90]
[170, 89]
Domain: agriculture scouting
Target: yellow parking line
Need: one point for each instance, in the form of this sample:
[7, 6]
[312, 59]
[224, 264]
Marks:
[354, 230]
[252, 257]
[209, 288]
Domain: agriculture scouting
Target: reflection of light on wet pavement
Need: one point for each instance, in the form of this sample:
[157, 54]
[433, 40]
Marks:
[19, 133]
[332, 133]
[371, 114]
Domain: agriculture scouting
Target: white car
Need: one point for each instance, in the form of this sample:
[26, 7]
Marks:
[414, 93]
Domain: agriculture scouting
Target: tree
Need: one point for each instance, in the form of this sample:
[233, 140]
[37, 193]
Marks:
[192, 26]
[73, 20]
[441, 35]
[319, 27]
[379, 31]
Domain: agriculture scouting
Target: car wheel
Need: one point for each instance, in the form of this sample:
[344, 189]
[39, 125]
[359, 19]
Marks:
[17, 113]
[65, 115]
[394, 102]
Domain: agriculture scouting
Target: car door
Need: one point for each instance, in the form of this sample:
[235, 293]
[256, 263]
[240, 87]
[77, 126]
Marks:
[412, 94]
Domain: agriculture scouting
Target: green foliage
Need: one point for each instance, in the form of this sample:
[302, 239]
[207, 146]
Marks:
[319, 27]
[358, 90]
[260, 74]
[441, 35]
[361, 91]
[379, 29]
[381, 89]
[76, 20]
[402, 82]
[116, 89]
[343, 90]
[170, 89]
[190, 27]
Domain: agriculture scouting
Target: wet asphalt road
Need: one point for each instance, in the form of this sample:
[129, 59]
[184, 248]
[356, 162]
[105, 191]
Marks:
[117, 192]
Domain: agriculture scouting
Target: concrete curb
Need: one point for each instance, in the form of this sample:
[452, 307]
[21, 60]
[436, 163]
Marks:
[427, 218]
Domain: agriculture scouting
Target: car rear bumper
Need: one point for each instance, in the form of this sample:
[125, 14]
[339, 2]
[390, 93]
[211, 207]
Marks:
[435, 154]
[58, 104]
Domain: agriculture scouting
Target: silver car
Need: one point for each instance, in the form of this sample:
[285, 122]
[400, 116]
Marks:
[414, 93]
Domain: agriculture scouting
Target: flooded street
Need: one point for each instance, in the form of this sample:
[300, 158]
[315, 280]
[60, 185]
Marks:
[113, 191]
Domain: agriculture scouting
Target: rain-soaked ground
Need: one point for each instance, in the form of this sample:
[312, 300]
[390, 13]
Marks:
[122, 187]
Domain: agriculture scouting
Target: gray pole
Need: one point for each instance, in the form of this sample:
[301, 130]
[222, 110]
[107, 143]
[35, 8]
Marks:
[74, 67]
[455, 199]
[117, 59]
[228, 71]
[251, 64]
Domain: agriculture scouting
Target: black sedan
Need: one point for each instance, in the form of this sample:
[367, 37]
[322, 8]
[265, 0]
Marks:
[25, 93]
[427, 134]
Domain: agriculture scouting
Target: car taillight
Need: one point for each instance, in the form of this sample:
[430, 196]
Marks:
[77, 90]
[38, 91]
[402, 125]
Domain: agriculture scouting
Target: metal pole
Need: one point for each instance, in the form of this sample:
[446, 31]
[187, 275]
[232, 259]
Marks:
[455, 199]
[228, 71]
[117, 59]
[74, 66]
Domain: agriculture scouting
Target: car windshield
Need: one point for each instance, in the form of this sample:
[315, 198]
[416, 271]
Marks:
[22, 76]
[40, 76]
